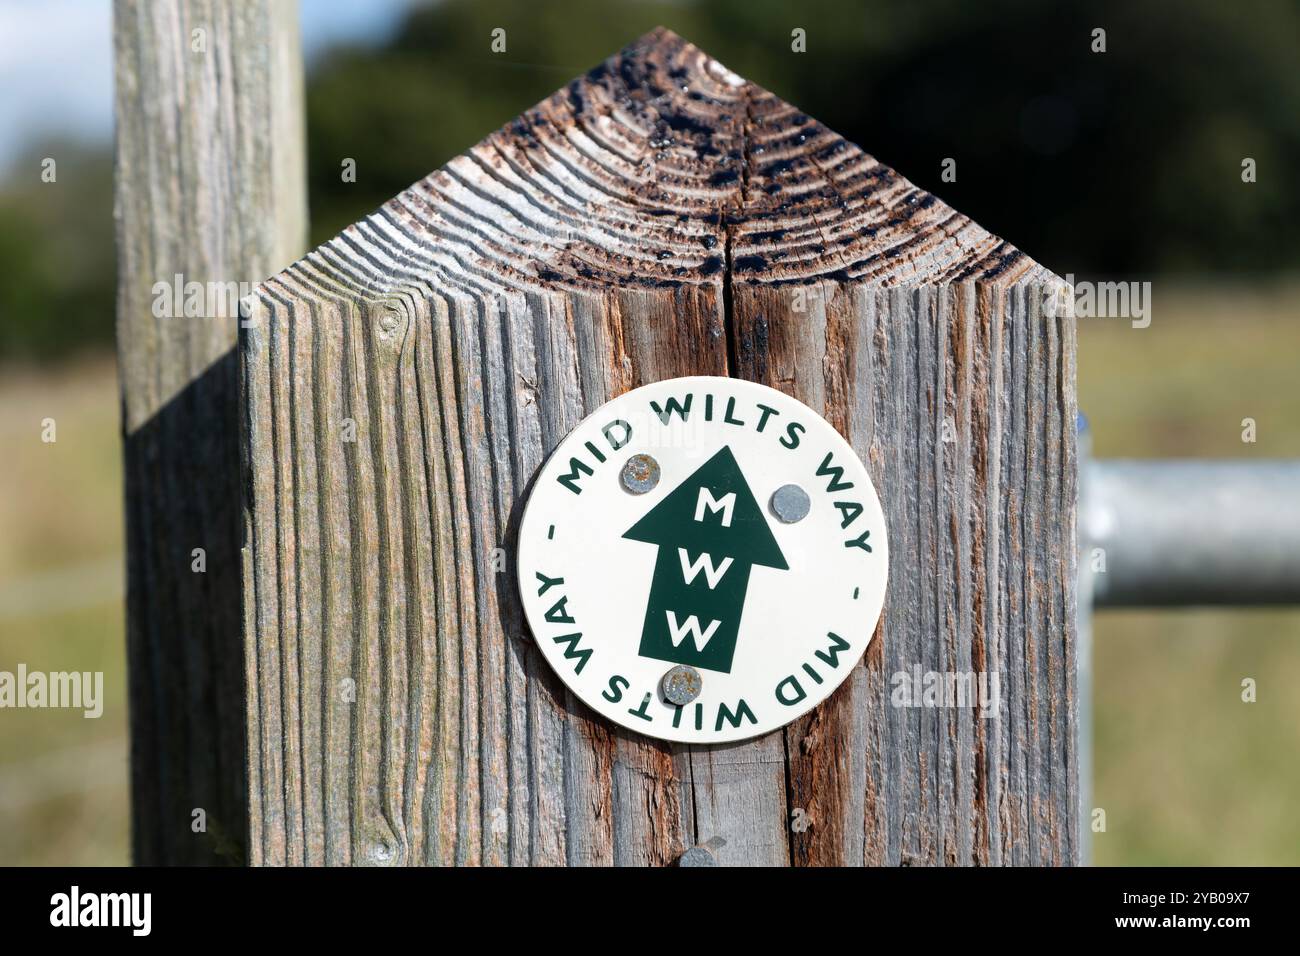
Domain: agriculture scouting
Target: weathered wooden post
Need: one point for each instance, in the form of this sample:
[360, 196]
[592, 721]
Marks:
[211, 192]
[402, 384]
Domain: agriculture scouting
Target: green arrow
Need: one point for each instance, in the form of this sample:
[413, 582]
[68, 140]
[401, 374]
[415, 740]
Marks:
[710, 532]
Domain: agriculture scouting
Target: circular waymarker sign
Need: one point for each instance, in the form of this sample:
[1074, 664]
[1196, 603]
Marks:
[703, 560]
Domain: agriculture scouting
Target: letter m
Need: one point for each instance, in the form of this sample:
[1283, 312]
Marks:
[116, 909]
[832, 654]
[570, 480]
[1114, 295]
[706, 501]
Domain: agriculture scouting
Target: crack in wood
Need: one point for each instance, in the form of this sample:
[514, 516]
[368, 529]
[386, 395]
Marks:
[657, 218]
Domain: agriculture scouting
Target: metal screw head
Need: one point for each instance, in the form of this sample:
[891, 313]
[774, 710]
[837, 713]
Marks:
[790, 503]
[697, 856]
[640, 474]
[681, 685]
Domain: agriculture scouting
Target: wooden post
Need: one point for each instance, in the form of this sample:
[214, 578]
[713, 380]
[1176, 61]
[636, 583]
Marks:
[658, 217]
[211, 188]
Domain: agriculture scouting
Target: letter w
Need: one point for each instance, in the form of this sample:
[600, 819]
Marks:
[704, 562]
[692, 624]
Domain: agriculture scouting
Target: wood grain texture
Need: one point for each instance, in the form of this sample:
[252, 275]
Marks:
[403, 383]
[210, 188]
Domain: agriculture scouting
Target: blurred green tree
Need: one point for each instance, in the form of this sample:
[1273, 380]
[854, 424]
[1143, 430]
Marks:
[57, 276]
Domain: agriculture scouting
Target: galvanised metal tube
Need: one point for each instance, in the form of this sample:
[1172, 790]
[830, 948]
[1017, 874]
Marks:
[1192, 532]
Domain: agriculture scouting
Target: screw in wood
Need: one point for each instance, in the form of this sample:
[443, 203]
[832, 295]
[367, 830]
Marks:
[640, 474]
[697, 856]
[703, 854]
[790, 503]
[681, 685]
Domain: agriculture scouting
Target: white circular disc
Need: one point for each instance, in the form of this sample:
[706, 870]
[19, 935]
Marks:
[621, 584]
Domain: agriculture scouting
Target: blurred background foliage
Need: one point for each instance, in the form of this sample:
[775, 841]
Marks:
[1122, 164]
[1126, 162]
[57, 262]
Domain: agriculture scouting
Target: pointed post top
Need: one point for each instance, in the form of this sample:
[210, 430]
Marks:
[658, 168]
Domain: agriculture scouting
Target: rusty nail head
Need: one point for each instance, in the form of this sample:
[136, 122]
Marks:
[640, 474]
[681, 685]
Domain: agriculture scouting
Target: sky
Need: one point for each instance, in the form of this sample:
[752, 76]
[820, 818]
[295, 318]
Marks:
[56, 61]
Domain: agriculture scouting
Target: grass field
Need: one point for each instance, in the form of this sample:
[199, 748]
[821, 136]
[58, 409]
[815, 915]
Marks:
[63, 777]
[1186, 772]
